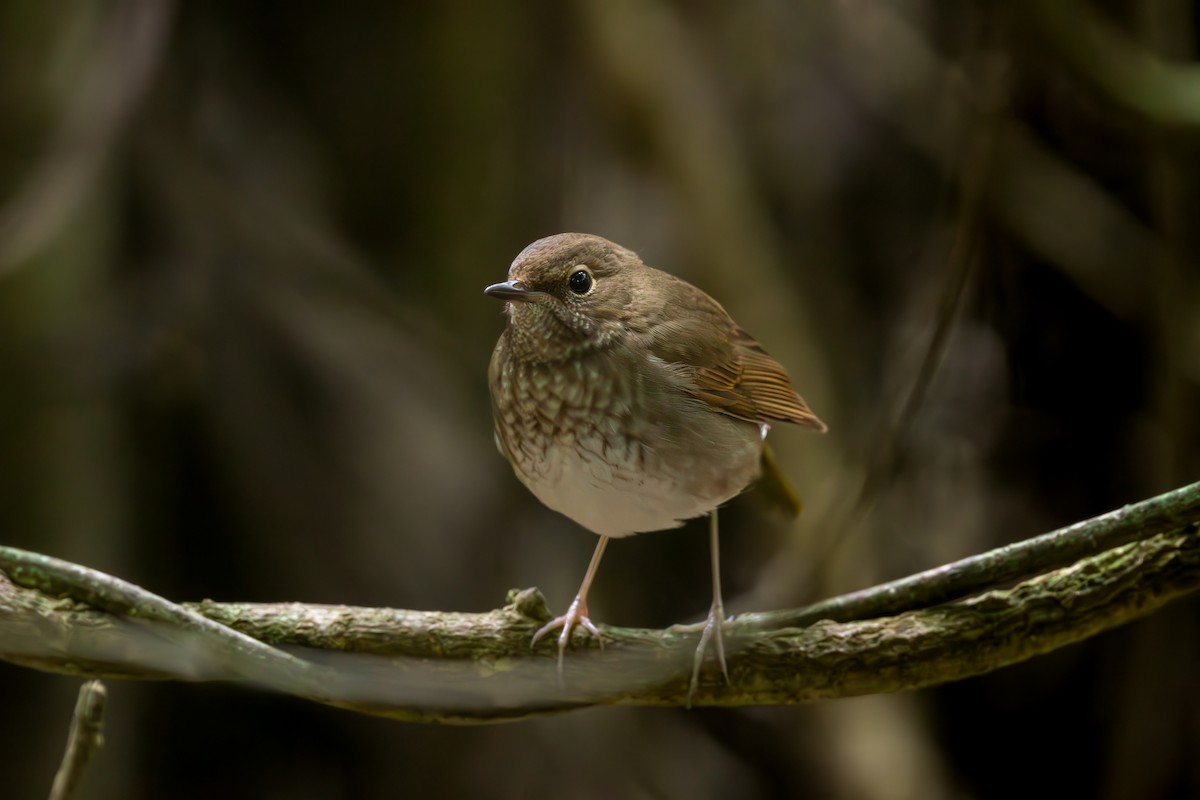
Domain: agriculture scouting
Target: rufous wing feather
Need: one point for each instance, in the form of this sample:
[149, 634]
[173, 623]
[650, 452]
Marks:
[753, 386]
[727, 368]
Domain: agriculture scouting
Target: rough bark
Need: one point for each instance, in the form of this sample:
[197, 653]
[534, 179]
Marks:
[463, 667]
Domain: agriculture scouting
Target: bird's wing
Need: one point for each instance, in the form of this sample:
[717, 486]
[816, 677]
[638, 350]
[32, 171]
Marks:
[725, 366]
[754, 386]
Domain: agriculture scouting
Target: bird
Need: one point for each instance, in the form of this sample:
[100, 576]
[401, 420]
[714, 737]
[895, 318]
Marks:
[629, 400]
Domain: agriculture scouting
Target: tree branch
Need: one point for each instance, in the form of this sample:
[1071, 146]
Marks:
[1167, 512]
[459, 667]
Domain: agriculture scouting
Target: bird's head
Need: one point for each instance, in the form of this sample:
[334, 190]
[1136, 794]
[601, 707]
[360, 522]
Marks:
[566, 294]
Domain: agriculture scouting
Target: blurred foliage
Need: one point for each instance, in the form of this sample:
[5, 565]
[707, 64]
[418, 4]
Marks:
[243, 348]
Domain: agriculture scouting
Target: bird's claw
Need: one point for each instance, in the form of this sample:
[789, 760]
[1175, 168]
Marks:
[710, 631]
[576, 617]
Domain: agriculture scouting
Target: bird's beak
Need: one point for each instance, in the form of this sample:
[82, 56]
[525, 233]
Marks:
[509, 290]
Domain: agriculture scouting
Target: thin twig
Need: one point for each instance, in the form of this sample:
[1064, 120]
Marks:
[1059, 548]
[974, 176]
[85, 738]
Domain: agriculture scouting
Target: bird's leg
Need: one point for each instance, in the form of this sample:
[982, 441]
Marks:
[577, 613]
[710, 629]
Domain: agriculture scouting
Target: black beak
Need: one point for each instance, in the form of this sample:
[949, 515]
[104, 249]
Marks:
[509, 290]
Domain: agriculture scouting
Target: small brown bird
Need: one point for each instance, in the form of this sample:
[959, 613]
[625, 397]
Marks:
[629, 400]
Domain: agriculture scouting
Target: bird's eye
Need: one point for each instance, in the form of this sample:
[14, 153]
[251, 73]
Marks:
[580, 281]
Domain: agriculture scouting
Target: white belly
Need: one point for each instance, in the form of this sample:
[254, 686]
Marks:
[614, 501]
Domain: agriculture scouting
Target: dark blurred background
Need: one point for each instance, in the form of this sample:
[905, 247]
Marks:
[243, 352]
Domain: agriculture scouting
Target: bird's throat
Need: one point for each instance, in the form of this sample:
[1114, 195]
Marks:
[540, 332]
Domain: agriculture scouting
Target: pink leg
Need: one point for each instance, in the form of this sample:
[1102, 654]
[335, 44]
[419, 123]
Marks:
[577, 614]
[710, 628]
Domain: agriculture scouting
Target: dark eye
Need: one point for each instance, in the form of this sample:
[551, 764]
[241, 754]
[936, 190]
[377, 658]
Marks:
[580, 281]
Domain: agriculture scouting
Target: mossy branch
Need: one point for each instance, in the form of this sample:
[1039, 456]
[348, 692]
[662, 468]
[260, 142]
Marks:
[460, 667]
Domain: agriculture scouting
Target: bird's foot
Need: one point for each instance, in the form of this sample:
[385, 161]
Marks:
[710, 631]
[576, 616]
